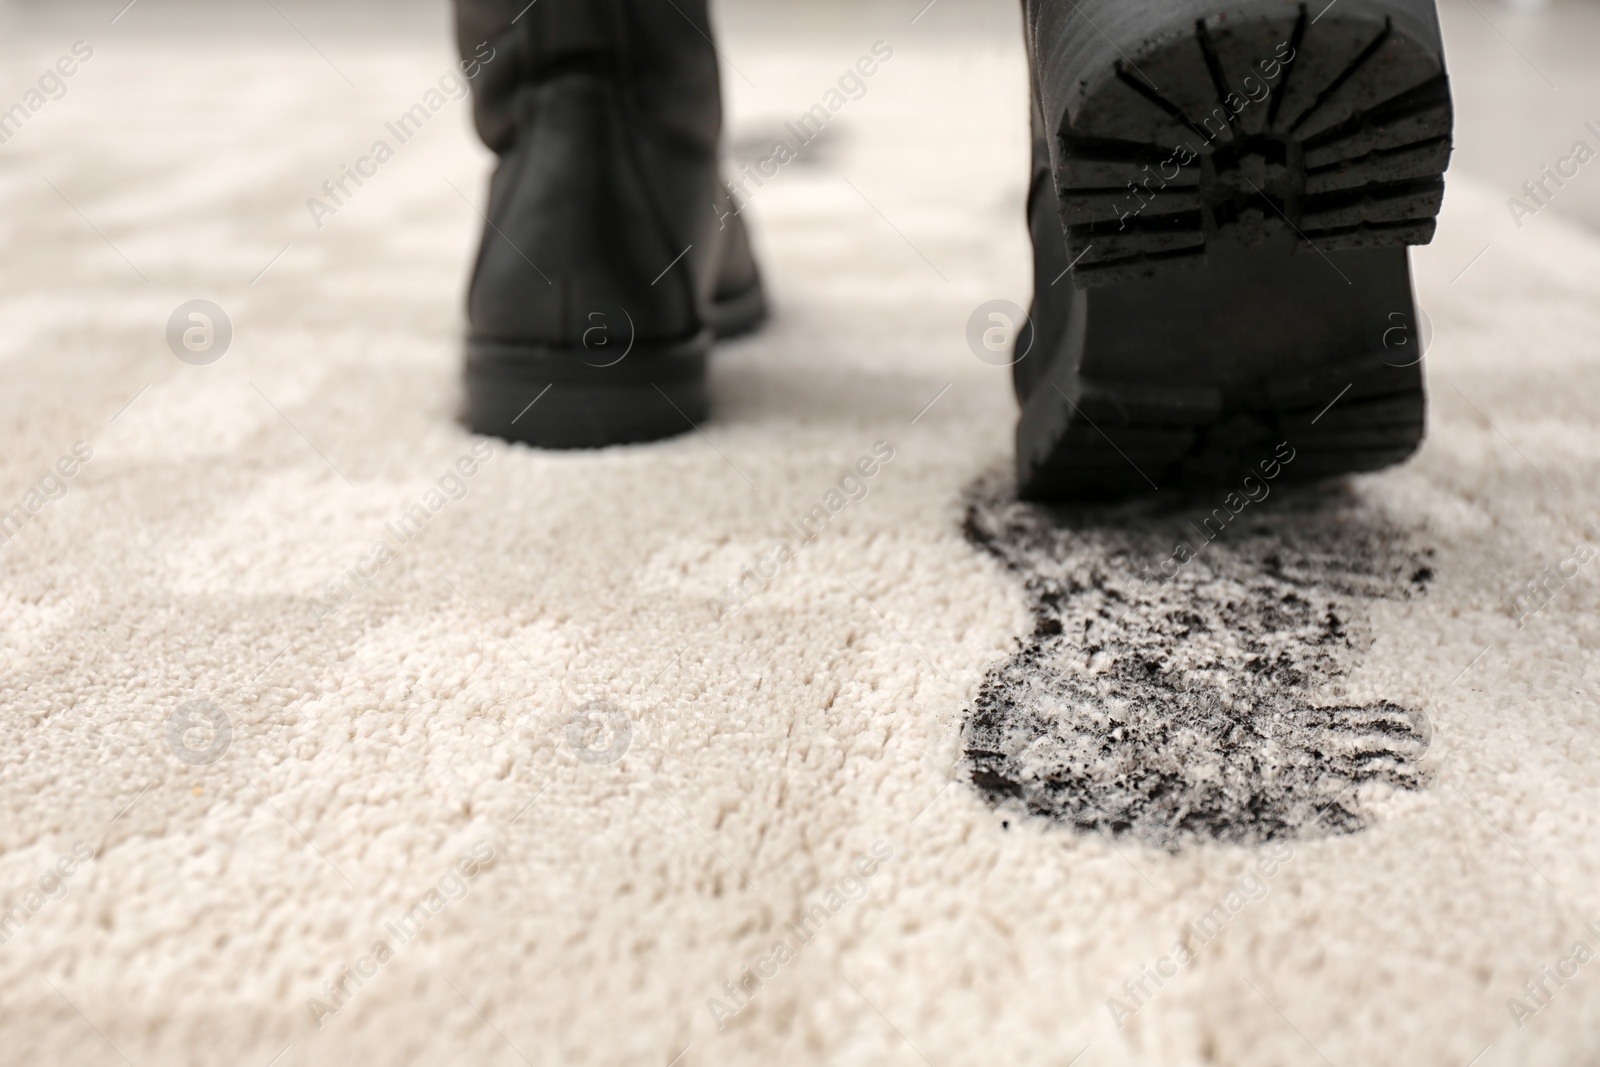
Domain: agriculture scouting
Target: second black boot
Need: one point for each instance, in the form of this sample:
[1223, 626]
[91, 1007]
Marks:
[611, 258]
[1222, 197]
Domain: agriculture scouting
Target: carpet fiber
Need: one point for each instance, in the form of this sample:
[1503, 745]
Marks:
[333, 734]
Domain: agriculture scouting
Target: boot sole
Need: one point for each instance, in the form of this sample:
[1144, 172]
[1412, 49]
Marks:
[1189, 142]
[570, 398]
[1297, 335]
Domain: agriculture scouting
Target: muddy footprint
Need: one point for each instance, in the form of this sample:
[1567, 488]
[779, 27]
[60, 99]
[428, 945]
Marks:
[1195, 707]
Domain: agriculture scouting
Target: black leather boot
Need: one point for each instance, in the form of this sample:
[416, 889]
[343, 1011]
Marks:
[1222, 198]
[611, 258]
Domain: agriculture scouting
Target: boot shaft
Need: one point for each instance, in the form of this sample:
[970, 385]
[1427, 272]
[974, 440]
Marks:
[659, 54]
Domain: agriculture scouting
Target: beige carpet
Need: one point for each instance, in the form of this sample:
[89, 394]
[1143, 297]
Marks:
[282, 747]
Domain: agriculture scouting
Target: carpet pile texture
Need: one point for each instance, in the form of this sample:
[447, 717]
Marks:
[334, 734]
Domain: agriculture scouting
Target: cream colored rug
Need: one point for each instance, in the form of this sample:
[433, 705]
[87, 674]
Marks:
[334, 735]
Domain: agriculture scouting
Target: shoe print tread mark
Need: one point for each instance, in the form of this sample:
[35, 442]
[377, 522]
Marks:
[1200, 708]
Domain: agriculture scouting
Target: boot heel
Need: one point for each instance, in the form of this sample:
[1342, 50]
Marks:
[1194, 380]
[564, 398]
